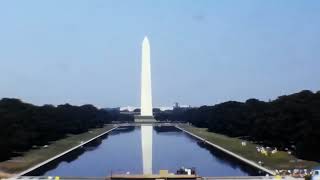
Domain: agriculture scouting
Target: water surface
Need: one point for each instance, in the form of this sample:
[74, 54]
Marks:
[120, 152]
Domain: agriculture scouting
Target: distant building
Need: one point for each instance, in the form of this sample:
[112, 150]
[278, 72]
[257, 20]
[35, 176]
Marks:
[128, 108]
[178, 106]
[132, 108]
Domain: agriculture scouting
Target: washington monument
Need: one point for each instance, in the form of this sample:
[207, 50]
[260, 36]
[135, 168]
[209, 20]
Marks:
[146, 115]
[146, 91]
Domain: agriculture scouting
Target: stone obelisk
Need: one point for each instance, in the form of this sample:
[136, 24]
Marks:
[146, 91]
[146, 115]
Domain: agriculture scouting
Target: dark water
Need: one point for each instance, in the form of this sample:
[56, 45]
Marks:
[120, 152]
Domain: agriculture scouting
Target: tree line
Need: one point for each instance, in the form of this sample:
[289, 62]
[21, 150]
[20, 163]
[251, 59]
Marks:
[23, 125]
[288, 122]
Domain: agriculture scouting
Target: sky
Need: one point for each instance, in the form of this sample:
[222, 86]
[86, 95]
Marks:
[202, 52]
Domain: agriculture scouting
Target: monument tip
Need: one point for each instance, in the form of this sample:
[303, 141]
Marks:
[145, 39]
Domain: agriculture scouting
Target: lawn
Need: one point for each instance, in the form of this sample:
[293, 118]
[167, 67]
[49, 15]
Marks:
[35, 156]
[279, 160]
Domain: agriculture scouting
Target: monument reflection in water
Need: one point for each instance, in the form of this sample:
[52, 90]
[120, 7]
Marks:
[146, 144]
[121, 152]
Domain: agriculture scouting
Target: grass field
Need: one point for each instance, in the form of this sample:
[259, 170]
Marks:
[36, 156]
[279, 160]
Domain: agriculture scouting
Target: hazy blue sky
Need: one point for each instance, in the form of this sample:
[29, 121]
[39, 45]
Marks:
[203, 52]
